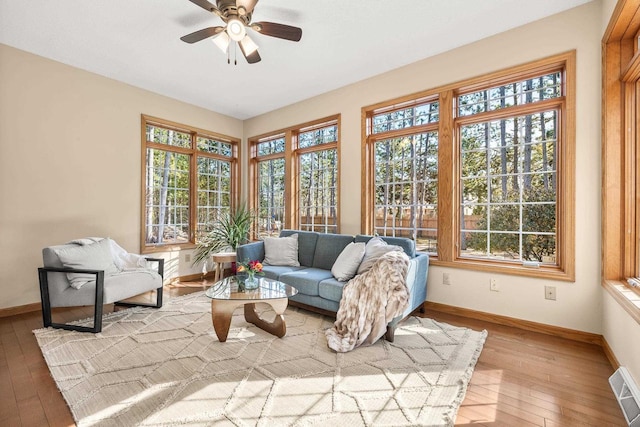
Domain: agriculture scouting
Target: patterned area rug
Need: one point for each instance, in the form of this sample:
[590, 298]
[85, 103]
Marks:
[166, 367]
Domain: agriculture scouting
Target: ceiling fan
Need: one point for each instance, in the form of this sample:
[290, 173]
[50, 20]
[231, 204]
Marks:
[236, 14]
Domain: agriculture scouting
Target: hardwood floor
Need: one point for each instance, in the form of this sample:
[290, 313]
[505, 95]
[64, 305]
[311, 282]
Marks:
[522, 378]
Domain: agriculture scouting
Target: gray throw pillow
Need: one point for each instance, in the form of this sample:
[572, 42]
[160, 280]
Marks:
[347, 263]
[281, 251]
[96, 256]
[376, 247]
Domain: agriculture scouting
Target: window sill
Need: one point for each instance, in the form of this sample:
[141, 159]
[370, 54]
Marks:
[515, 269]
[625, 296]
[168, 248]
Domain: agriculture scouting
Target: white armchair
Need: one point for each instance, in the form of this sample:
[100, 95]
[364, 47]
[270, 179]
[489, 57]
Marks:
[95, 271]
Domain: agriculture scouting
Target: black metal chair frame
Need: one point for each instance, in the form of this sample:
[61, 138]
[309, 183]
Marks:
[98, 304]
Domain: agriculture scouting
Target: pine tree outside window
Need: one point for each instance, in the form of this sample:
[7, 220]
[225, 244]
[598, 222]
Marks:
[404, 146]
[509, 171]
[294, 178]
[492, 171]
[270, 186]
[189, 177]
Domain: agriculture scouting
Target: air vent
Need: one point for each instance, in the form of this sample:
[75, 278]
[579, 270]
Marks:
[627, 394]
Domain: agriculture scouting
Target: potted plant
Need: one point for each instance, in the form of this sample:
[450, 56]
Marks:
[230, 230]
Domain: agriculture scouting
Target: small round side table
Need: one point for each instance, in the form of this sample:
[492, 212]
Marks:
[219, 259]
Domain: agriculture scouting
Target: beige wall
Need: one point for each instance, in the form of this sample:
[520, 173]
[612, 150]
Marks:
[620, 330]
[578, 304]
[70, 162]
[607, 10]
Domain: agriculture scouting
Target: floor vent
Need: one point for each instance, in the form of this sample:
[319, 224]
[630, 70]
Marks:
[627, 394]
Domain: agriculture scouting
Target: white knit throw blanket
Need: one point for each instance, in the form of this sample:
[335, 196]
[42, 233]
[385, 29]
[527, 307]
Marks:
[369, 301]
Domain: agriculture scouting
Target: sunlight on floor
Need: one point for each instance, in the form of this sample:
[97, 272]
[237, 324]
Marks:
[481, 406]
[111, 411]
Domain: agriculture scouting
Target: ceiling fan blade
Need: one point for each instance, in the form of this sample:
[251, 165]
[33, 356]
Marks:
[247, 4]
[202, 34]
[280, 31]
[251, 59]
[205, 5]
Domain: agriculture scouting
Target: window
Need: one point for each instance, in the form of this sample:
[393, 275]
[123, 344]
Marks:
[270, 185]
[317, 181]
[508, 171]
[189, 176]
[301, 161]
[480, 173]
[405, 166]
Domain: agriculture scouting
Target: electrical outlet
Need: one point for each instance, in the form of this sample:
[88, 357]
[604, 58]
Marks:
[550, 293]
[187, 257]
[493, 285]
[446, 280]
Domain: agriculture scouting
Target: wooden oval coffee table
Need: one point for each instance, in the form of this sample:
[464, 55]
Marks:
[226, 295]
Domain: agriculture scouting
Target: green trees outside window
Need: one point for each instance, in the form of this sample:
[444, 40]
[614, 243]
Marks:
[480, 173]
[189, 180]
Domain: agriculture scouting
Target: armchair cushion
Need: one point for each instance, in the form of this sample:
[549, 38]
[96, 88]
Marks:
[96, 256]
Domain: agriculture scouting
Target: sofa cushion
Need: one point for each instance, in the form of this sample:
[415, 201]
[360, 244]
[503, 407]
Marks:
[96, 256]
[281, 251]
[348, 261]
[306, 281]
[328, 248]
[331, 289]
[316, 301]
[375, 248]
[274, 271]
[306, 245]
[408, 245]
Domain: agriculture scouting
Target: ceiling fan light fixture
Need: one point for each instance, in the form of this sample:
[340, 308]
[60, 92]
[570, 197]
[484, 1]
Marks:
[236, 30]
[222, 41]
[248, 45]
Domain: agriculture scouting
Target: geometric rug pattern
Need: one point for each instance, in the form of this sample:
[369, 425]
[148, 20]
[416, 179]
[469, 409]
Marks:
[166, 367]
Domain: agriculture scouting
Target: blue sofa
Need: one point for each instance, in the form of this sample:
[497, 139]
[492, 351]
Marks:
[317, 289]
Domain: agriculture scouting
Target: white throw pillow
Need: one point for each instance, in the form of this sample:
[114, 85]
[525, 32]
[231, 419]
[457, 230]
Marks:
[347, 263]
[96, 256]
[281, 251]
[376, 247]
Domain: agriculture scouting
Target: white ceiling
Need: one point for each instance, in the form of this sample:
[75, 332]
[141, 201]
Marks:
[343, 41]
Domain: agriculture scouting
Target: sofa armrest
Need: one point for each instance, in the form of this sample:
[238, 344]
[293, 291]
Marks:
[250, 251]
[417, 285]
[160, 262]
[417, 279]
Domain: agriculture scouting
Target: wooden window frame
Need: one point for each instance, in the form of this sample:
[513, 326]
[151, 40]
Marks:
[194, 153]
[254, 161]
[449, 165]
[368, 154]
[291, 156]
[621, 153]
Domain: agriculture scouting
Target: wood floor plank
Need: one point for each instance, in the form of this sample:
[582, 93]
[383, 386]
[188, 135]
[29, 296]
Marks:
[31, 412]
[9, 407]
[491, 413]
[522, 378]
[499, 405]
